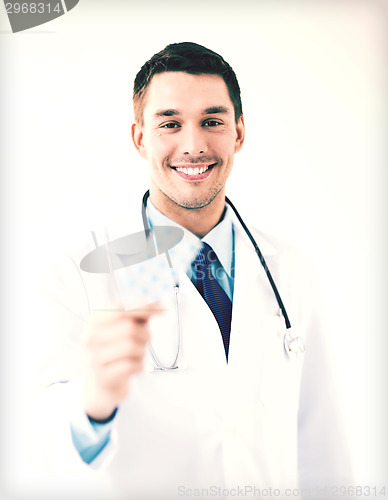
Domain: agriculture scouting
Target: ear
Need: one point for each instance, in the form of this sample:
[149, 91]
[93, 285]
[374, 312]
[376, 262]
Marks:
[240, 134]
[137, 138]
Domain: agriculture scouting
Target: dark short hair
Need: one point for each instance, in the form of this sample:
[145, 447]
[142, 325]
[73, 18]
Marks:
[190, 58]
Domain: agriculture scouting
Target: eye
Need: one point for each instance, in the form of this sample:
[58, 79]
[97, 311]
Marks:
[170, 125]
[211, 123]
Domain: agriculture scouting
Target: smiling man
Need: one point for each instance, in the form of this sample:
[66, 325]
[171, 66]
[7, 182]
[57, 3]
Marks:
[217, 394]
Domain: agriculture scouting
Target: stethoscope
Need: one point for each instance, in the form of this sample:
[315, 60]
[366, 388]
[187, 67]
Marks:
[293, 346]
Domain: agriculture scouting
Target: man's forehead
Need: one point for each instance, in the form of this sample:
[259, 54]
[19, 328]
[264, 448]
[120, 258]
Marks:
[170, 93]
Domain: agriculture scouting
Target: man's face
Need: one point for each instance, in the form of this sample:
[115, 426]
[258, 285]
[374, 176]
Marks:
[189, 137]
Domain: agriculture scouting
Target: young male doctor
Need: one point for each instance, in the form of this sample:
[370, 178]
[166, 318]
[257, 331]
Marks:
[237, 411]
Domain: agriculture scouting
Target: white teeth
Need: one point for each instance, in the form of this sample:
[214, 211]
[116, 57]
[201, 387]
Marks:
[192, 171]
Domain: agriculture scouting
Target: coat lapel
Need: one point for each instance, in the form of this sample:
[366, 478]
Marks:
[255, 322]
[203, 341]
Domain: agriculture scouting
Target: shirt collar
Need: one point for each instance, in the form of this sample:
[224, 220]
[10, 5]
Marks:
[220, 238]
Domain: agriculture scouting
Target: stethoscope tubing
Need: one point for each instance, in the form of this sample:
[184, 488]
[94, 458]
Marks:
[263, 263]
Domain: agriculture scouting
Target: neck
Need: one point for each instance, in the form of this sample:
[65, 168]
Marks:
[198, 221]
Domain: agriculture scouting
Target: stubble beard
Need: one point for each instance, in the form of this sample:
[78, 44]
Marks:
[197, 203]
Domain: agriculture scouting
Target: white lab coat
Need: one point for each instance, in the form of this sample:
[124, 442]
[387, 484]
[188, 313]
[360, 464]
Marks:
[261, 421]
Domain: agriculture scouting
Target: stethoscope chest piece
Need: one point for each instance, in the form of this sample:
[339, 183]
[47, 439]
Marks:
[294, 346]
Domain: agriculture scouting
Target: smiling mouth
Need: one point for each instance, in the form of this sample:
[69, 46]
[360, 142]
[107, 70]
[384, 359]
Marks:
[194, 170]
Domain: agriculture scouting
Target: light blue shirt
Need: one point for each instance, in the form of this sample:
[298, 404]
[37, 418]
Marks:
[90, 438]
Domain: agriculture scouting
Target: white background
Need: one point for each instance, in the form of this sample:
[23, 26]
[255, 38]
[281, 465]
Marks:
[313, 80]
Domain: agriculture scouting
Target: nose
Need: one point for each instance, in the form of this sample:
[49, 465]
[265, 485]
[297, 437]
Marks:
[193, 141]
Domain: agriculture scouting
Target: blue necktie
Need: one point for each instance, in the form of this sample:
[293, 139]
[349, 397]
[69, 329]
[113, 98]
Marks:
[212, 292]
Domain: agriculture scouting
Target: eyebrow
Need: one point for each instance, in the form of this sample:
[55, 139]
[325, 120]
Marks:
[216, 110]
[176, 112]
[167, 112]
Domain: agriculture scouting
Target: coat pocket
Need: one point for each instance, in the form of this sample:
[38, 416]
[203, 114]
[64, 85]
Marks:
[282, 370]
